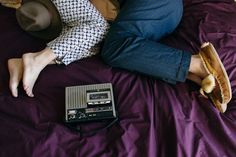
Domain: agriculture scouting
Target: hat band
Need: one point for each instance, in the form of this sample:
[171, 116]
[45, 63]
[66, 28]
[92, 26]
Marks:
[33, 16]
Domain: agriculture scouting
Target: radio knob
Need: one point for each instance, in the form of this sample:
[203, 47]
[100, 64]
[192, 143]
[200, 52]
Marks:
[81, 115]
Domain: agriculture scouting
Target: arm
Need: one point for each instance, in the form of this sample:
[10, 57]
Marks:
[84, 28]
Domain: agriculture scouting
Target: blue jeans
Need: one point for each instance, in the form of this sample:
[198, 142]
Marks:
[132, 41]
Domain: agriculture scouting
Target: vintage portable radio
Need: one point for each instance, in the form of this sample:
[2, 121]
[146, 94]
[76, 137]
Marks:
[89, 103]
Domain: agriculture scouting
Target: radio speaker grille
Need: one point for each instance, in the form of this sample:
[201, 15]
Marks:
[76, 95]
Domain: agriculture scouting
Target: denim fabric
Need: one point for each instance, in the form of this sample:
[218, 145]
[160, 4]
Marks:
[132, 42]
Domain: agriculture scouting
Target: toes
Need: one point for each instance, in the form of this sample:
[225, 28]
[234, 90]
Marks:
[14, 91]
[28, 91]
[13, 87]
[30, 94]
[25, 87]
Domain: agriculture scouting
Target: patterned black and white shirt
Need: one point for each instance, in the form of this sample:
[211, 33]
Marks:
[83, 29]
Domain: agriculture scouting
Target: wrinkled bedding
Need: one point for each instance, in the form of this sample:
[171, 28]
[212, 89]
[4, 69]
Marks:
[156, 119]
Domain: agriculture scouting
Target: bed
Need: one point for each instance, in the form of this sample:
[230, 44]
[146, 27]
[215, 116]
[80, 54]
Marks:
[156, 119]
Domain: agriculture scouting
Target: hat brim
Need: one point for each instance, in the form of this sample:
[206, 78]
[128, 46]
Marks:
[55, 27]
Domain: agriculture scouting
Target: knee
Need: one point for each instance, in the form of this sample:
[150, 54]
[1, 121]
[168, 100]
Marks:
[114, 48]
[176, 11]
[114, 52]
[107, 55]
[109, 52]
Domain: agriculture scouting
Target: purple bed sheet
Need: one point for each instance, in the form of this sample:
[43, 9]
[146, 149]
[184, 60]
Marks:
[156, 119]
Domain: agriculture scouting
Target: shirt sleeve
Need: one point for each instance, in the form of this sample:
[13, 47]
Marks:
[83, 28]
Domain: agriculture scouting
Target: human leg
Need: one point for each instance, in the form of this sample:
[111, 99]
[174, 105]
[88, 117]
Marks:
[132, 42]
[151, 19]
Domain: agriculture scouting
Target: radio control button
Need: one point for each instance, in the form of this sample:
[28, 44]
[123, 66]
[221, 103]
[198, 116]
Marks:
[72, 112]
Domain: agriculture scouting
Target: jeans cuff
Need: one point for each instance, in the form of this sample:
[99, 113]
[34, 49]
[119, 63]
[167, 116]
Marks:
[184, 66]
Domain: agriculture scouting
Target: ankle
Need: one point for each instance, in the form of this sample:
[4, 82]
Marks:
[194, 64]
[41, 58]
[46, 55]
[197, 67]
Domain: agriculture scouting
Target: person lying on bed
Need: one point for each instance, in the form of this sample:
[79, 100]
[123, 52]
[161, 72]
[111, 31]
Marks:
[81, 28]
[132, 44]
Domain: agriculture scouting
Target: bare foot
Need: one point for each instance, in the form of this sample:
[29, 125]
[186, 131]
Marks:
[33, 64]
[197, 68]
[15, 68]
[31, 72]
